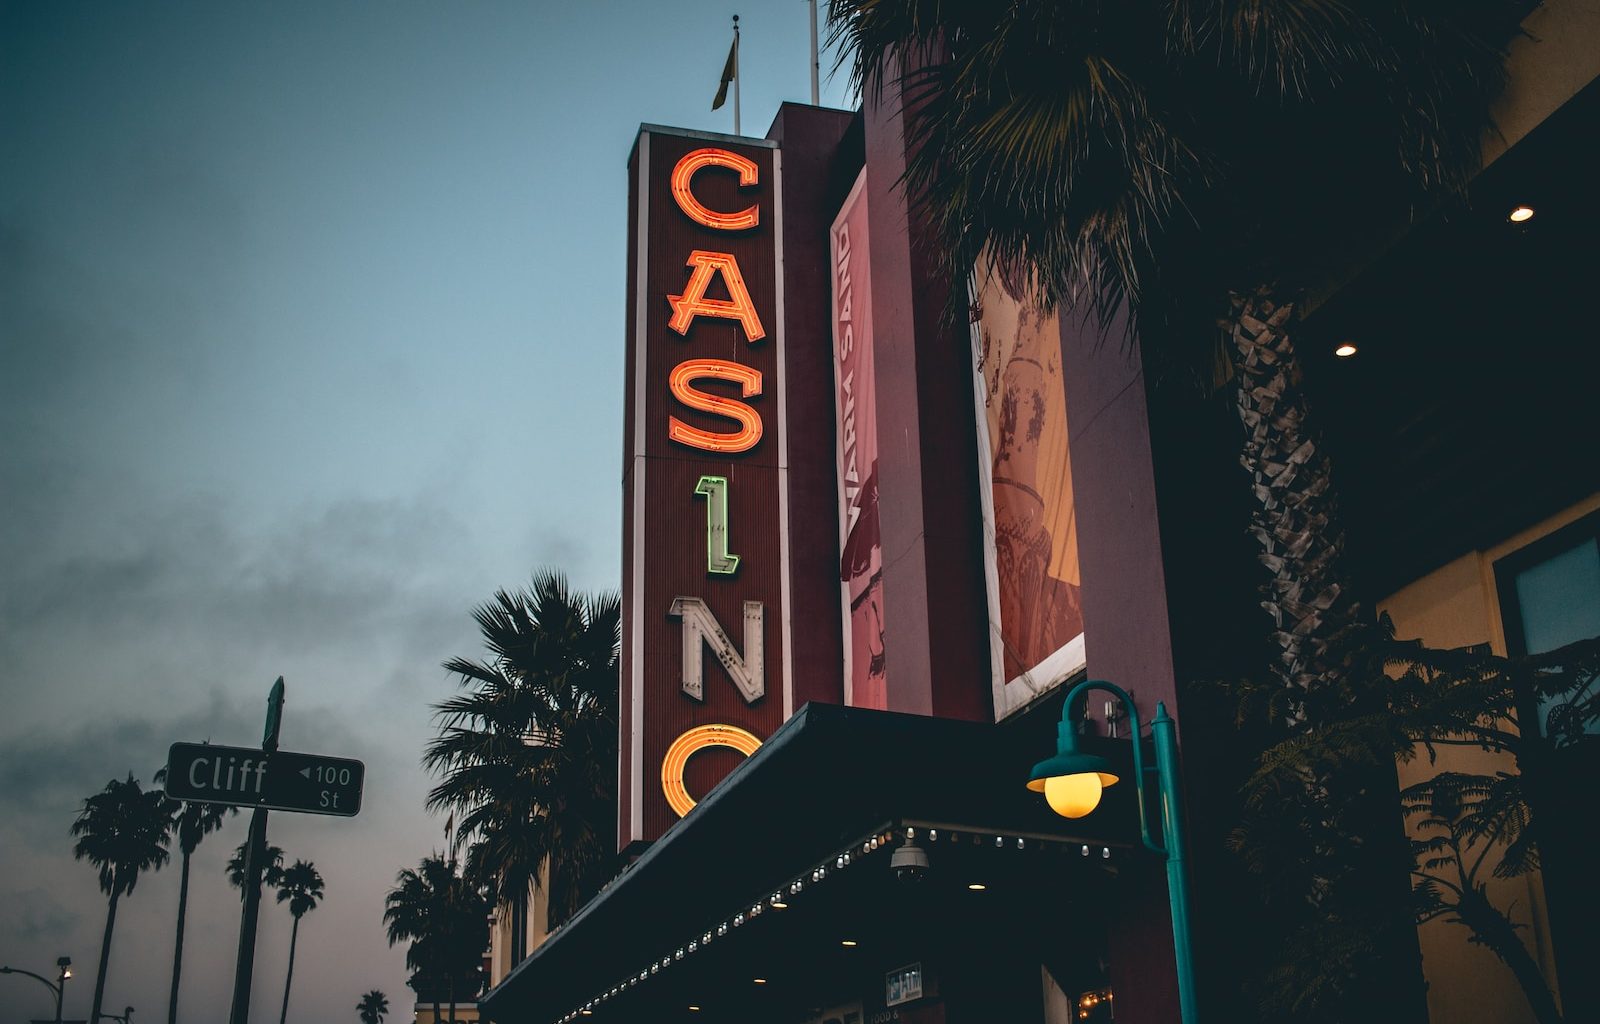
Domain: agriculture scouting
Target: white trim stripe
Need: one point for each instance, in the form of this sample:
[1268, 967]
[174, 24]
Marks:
[783, 443]
[640, 351]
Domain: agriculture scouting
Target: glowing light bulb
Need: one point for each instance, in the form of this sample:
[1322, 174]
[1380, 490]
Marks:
[1520, 214]
[1345, 351]
[1073, 796]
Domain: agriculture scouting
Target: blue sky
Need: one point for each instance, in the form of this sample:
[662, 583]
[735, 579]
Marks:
[310, 338]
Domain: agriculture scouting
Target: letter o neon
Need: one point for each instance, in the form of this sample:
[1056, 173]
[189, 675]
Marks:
[686, 746]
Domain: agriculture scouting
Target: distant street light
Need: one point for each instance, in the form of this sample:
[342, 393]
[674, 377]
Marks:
[57, 987]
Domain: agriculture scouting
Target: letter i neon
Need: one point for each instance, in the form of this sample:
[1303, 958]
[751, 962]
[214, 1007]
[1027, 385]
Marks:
[718, 560]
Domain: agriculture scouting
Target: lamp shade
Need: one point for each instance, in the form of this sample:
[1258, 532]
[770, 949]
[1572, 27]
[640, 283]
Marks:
[1071, 780]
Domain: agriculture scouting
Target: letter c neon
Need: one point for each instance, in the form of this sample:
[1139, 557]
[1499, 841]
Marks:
[682, 191]
[685, 746]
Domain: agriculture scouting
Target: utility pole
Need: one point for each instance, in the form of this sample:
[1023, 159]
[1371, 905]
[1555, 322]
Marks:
[254, 865]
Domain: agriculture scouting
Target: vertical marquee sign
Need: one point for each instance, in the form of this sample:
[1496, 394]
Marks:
[704, 478]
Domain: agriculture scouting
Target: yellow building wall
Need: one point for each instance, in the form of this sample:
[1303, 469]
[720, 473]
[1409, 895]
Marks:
[500, 963]
[1555, 57]
[1456, 606]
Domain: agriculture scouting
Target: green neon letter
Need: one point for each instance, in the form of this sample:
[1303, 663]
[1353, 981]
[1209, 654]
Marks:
[718, 560]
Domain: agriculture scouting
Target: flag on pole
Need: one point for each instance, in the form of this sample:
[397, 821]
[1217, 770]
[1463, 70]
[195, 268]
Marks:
[729, 71]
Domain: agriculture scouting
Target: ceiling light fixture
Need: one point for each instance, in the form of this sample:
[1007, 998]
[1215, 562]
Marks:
[847, 942]
[976, 886]
[1520, 214]
[1345, 351]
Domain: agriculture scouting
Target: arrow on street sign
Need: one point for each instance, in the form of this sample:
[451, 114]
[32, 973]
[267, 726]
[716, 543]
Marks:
[278, 780]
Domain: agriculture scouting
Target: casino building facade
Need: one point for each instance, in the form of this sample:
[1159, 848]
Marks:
[902, 541]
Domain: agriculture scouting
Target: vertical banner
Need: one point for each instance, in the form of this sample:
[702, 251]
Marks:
[1036, 617]
[705, 632]
[861, 565]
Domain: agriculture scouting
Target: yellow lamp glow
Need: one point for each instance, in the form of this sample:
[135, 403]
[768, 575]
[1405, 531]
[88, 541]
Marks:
[1073, 796]
[1520, 214]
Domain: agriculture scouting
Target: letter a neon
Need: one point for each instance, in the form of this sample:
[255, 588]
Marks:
[693, 301]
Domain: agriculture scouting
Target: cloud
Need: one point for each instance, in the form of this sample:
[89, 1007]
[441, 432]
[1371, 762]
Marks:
[34, 914]
[169, 622]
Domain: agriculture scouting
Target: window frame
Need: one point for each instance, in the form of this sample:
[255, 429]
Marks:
[1506, 569]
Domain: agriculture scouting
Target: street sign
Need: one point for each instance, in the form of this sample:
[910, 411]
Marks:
[279, 780]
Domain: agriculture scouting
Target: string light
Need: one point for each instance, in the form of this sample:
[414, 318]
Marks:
[796, 885]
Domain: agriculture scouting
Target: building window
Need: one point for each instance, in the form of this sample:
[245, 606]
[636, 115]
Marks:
[1550, 593]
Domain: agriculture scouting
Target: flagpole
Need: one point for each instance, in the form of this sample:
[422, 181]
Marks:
[736, 75]
[816, 92]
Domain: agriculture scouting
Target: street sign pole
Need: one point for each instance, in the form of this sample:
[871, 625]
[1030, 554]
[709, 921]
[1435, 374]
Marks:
[255, 865]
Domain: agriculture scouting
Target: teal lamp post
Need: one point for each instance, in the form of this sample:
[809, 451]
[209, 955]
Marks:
[1073, 780]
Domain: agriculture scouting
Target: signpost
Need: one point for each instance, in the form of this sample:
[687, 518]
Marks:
[263, 778]
[279, 780]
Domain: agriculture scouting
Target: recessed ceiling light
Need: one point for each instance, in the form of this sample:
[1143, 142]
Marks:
[976, 886]
[759, 981]
[1345, 350]
[1519, 214]
[847, 942]
[693, 1008]
[780, 905]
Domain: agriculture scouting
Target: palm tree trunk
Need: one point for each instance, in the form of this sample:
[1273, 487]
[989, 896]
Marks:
[1319, 631]
[1297, 521]
[288, 978]
[1493, 929]
[177, 948]
[105, 955]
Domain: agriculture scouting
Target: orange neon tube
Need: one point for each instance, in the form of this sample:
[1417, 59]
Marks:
[686, 746]
[693, 302]
[681, 383]
[683, 191]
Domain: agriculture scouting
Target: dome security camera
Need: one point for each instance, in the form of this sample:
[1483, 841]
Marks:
[910, 863]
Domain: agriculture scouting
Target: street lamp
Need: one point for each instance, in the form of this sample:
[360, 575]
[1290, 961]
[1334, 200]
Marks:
[1072, 782]
[57, 987]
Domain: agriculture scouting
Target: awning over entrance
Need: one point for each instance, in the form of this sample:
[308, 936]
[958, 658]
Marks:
[777, 888]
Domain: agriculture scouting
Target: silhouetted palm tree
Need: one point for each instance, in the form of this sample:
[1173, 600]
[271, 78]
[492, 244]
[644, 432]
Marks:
[373, 1007]
[301, 887]
[446, 918]
[123, 831]
[194, 822]
[1196, 162]
[271, 874]
[529, 752]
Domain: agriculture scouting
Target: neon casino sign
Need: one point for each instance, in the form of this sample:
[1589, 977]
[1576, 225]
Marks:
[705, 500]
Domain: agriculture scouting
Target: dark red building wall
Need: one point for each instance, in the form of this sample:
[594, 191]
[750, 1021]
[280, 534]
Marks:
[809, 146]
[935, 607]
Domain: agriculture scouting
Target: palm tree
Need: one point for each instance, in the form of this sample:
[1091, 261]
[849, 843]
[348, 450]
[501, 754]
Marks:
[1190, 162]
[373, 1006]
[271, 874]
[528, 753]
[194, 822]
[446, 918]
[301, 887]
[123, 831]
